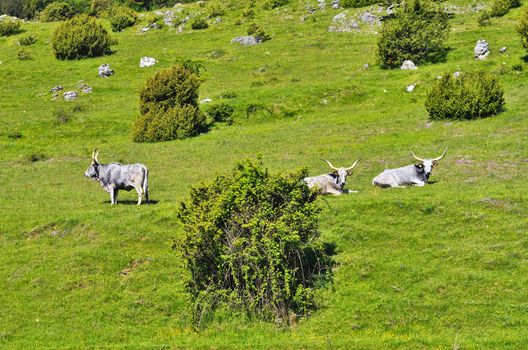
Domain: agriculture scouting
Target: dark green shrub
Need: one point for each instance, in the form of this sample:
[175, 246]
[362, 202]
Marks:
[169, 108]
[468, 96]
[199, 23]
[252, 243]
[221, 112]
[24, 55]
[522, 29]
[166, 89]
[272, 4]
[501, 7]
[27, 40]
[248, 13]
[98, 7]
[122, 17]
[9, 26]
[216, 9]
[258, 32]
[80, 37]
[357, 3]
[178, 122]
[484, 18]
[62, 116]
[14, 135]
[418, 32]
[56, 11]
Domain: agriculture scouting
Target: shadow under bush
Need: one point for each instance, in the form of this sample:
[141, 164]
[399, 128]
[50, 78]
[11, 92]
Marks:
[252, 244]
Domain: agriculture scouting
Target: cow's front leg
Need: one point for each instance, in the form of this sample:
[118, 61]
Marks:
[419, 183]
[113, 195]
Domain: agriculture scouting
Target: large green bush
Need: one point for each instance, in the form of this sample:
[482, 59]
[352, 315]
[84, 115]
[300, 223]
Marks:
[418, 32]
[169, 108]
[166, 89]
[522, 29]
[80, 37]
[122, 17]
[9, 26]
[468, 96]
[252, 243]
[56, 11]
[178, 122]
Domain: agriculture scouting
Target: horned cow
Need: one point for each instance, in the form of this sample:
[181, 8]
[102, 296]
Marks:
[115, 176]
[333, 182]
[415, 174]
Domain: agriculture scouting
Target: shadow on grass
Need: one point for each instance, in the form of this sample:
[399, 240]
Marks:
[133, 202]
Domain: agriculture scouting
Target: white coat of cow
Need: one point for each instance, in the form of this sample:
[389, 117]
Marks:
[331, 183]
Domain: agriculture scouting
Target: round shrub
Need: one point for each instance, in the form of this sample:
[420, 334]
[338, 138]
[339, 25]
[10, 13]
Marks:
[56, 11]
[468, 96]
[27, 40]
[272, 4]
[98, 7]
[522, 29]
[9, 26]
[122, 17]
[258, 32]
[199, 23]
[252, 243]
[418, 32]
[221, 112]
[166, 89]
[178, 122]
[80, 37]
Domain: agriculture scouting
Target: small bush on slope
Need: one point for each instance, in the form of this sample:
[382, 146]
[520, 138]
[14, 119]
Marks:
[252, 243]
[418, 33]
[81, 37]
[469, 96]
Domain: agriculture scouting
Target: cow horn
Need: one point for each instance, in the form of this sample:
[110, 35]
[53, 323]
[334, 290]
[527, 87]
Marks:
[442, 156]
[96, 153]
[353, 165]
[420, 159]
[331, 166]
[93, 154]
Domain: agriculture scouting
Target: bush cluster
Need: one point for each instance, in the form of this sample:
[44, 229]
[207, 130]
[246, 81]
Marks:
[252, 243]
[80, 37]
[501, 7]
[24, 55]
[56, 11]
[216, 9]
[27, 40]
[169, 107]
[418, 32]
[98, 7]
[468, 96]
[121, 17]
[9, 26]
[221, 112]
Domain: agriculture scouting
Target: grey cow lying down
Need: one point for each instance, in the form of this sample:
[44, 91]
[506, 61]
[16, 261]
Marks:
[415, 174]
[331, 183]
[114, 177]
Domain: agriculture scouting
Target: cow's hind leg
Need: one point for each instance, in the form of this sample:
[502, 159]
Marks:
[139, 191]
[113, 196]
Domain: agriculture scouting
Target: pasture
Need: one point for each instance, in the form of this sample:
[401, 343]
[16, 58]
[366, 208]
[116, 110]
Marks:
[433, 267]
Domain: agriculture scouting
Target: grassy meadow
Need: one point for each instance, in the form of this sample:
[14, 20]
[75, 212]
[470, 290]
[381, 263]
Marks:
[443, 266]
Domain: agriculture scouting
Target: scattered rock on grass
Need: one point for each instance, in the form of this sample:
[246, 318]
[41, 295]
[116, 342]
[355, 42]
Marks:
[147, 62]
[70, 95]
[246, 40]
[503, 49]
[481, 50]
[56, 88]
[408, 65]
[410, 88]
[105, 71]
[335, 4]
[341, 23]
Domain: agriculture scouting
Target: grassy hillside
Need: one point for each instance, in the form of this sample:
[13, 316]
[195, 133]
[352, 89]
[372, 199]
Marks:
[442, 266]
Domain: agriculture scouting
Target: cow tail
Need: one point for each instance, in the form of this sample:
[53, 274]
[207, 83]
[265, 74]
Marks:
[145, 186]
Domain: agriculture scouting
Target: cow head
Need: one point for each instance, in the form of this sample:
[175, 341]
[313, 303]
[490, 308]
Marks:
[427, 165]
[341, 173]
[93, 170]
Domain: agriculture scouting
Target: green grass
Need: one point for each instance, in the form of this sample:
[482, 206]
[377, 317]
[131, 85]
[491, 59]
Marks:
[443, 266]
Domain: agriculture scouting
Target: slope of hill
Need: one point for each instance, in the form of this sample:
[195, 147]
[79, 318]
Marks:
[434, 267]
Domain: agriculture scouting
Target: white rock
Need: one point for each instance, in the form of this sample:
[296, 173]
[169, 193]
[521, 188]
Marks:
[206, 100]
[246, 40]
[147, 61]
[70, 95]
[105, 71]
[456, 74]
[481, 50]
[411, 87]
[408, 65]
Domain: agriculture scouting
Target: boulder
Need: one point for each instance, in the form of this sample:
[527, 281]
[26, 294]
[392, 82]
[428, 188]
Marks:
[335, 4]
[503, 49]
[70, 95]
[369, 18]
[168, 18]
[410, 88]
[322, 4]
[408, 65]
[147, 62]
[56, 88]
[481, 50]
[105, 71]
[85, 88]
[246, 40]
[341, 23]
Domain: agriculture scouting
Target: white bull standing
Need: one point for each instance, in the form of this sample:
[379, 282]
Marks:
[414, 174]
[333, 182]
